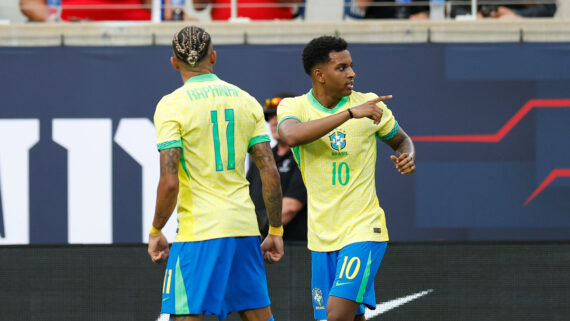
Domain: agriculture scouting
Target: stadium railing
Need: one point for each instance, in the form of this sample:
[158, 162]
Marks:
[286, 32]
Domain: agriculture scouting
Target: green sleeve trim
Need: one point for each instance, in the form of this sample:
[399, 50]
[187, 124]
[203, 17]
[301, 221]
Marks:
[285, 118]
[175, 144]
[365, 277]
[392, 133]
[258, 139]
[170, 144]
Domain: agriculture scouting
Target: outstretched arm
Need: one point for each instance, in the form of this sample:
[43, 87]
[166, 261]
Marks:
[405, 157]
[262, 156]
[165, 202]
[295, 133]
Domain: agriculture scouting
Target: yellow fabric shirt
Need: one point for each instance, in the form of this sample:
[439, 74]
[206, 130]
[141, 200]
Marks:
[214, 123]
[339, 172]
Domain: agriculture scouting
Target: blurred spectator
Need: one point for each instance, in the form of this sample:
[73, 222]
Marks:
[266, 9]
[294, 211]
[368, 9]
[508, 11]
[76, 10]
[174, 11]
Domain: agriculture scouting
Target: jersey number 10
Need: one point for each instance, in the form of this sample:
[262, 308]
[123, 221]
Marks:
[340, 173]
[229, 115]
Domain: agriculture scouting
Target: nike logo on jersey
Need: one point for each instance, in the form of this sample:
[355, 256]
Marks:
[341, 283]
[389, 305]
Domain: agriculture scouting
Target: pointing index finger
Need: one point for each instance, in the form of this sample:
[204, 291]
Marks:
[381, 98]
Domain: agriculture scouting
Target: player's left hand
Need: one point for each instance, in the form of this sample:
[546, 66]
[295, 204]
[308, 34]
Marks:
[404, 164]
[158, 248]
[272, 248]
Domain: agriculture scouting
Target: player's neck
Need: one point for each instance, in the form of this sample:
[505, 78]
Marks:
[189, 73]
[325, 98]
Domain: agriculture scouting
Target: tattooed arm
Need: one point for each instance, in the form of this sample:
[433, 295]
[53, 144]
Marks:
[262, 156]
[165, 202]
[167, 186]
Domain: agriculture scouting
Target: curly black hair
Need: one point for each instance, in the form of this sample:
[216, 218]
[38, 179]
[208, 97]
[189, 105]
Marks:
[317, 51]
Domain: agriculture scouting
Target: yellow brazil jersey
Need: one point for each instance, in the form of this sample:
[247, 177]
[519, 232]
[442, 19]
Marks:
[339, 172]
[214, 123]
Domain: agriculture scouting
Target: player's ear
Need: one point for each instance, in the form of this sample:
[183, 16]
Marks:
[174, 63]
[213, 57]
[318, 75]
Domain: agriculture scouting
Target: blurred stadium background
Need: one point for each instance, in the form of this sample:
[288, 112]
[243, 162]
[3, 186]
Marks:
[480, 232]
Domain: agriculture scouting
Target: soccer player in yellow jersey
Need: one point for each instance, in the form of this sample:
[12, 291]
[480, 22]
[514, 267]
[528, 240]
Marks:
[333, 131]
[205, 128]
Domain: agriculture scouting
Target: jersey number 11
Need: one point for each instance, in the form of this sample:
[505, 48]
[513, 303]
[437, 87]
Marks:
[229, 115]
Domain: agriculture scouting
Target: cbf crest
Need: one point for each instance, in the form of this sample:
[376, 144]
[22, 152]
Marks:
[338, 139]
[318, 297]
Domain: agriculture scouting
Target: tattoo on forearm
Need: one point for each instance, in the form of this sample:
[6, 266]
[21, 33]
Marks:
[261, 155]
[273, 201]
[271, 190]
[169, 159]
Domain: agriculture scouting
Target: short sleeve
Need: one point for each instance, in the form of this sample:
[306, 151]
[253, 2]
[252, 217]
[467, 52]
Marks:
[260, 132]
[167, 125]
[287, 109]
[388, 126]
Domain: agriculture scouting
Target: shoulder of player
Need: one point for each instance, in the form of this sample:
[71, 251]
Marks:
[171, 99]
[239, 90]
[361, 95]
[232, 86]
[291, 101]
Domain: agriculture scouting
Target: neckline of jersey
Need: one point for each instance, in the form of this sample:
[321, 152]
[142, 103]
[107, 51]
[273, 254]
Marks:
[202, 77]
[317, 105]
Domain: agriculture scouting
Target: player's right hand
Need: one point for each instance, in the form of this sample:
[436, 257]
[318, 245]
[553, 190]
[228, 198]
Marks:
[370, 109]
[158, 248]
[272, 248]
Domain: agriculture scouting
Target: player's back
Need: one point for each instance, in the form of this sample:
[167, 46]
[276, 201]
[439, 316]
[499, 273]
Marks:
[215, 123]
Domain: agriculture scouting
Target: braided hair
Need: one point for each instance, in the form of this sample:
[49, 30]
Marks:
[191, 44]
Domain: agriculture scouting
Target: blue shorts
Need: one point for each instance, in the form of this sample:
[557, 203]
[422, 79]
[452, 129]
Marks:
[348, 273]
[215, 277]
